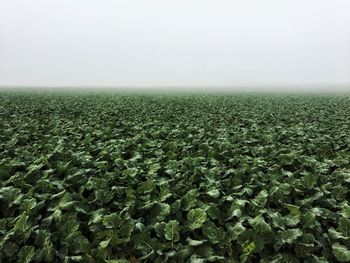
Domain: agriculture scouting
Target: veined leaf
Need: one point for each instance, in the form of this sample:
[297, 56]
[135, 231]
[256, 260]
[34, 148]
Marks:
[259, 225]
[290, 235]
[342, 253]
[171, 231]
[196, 217]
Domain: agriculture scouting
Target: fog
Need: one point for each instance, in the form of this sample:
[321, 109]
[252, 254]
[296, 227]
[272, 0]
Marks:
[250, 44]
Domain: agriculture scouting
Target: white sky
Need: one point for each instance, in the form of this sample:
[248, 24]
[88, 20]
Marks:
[156, 43]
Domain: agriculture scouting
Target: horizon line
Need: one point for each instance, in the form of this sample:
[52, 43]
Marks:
[316, 88]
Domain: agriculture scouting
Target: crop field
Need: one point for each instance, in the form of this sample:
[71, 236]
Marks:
[107, 177]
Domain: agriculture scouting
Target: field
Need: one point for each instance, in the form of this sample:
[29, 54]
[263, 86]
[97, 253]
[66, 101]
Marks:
[174, 178]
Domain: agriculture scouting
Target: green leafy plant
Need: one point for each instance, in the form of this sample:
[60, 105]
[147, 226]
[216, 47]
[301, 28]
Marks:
[107, 177]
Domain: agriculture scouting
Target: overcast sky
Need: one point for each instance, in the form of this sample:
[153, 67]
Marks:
[155, 43]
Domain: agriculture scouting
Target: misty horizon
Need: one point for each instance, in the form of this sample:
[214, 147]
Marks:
[185, 89]
[291, 45]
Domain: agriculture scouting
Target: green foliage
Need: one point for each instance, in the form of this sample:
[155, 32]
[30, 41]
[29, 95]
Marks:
[196, 218]
[171, 231]
[174, 178]
[290, 235]
[342, 253]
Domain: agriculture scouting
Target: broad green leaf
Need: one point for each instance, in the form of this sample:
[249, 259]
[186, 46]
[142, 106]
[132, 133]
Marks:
[22, 224]
[165, 191]
[213, 212]
[196, 217]
[146, 187]
[334, 234]
[259, 225]
[213, 233]
[28, 204]
[105, 243]
[308, 220]
[293, 209]
[195, 243]
[159, 228]
[79, 243]
[69, 226]
[26, 254]
[65, 202]
[344, 226]
[235, 230]
[112, 221]
[175, 206]
[261, 198]
[140, 227]
[9, 194]
[292, 220]
[290, 235]
[345, 210]
[47, 253]
[171, 231]
[214, 193]
[131, 172]
[236, 208]
[341, 253]
[189, 201]
[309, 180]
[163, 212]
